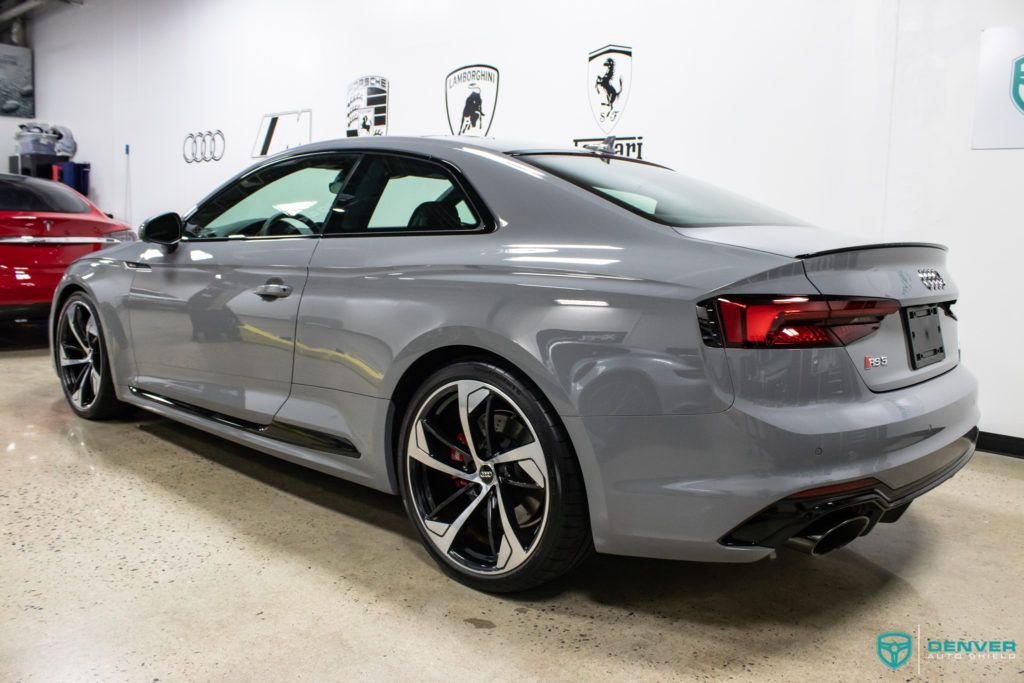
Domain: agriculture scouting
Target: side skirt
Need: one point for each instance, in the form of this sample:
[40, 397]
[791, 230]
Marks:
[277, 431]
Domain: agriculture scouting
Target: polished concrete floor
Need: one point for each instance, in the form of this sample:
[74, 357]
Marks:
[146, 551]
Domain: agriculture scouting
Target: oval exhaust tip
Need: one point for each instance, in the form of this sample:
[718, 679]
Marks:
[840, 535]
[835, 538]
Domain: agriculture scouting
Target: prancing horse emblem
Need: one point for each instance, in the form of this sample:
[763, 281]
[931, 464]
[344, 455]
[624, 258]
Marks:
[611, 72]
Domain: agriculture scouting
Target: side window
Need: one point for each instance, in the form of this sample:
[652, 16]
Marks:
[396, 194]
[292, 198]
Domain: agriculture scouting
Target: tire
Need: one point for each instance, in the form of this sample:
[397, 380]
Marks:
[515, 480]
[83, 366]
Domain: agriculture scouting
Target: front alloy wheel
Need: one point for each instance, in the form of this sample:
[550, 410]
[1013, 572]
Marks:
[78, 357]
[481, 486]
[82, 362]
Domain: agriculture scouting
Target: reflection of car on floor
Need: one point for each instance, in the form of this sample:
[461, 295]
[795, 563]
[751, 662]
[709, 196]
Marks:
[543, 351]
[44, 226]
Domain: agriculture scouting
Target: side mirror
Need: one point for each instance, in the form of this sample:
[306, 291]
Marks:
[164, 229]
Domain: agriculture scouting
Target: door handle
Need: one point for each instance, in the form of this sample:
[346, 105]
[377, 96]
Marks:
[273, 290]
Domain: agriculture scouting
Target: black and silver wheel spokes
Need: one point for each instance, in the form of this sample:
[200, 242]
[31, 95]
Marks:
[478, 477]
[78, 341]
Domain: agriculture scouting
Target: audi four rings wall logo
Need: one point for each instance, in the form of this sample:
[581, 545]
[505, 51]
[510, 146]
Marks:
[931, 279]
[203, 146]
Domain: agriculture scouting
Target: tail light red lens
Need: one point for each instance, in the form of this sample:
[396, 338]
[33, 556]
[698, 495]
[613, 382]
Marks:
[799, 321]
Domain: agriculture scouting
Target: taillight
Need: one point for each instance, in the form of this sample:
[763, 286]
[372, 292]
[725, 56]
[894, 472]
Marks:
[123, 235]
[796, 321]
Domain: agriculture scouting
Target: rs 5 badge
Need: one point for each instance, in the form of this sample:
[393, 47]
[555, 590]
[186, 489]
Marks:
[875, 361]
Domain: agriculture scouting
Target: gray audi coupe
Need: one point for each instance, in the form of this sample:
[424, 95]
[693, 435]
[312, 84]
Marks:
[543, 351]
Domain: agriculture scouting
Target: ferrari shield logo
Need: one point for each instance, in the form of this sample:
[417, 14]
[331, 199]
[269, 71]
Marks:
[367, 106]
[471, 95]
[1017, 83]
[894, 649]
[610, 71]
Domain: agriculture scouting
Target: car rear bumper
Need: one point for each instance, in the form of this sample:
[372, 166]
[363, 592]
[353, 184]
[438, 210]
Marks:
[677, 486]
[24, 311]
[30, 272]
[802, 514]
[28, 285]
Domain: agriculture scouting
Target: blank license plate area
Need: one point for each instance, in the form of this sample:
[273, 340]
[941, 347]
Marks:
[924, 332]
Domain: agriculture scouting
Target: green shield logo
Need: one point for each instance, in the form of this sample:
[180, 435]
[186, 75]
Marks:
[1017, 83]
[894, 648]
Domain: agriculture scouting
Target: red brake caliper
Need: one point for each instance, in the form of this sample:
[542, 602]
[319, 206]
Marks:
[458, 457]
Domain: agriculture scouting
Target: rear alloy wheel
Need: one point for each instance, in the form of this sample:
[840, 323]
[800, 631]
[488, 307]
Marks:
[490, 480]
[82, 363]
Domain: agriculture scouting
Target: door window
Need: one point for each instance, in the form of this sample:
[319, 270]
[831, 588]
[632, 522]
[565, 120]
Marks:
[398, 194]
[292, 198]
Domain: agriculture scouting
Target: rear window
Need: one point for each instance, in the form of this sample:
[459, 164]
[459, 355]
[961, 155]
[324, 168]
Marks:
[658, 193]
[33, 194]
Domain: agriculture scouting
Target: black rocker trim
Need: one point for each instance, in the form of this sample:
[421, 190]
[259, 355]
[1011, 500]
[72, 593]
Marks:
[277, 431]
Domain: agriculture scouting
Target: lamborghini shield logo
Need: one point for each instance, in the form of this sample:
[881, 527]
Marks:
[1017, 83]
[471, 95]
[894, 649]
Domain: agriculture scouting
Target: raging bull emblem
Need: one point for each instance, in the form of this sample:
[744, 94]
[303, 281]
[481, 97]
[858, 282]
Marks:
[471, 95]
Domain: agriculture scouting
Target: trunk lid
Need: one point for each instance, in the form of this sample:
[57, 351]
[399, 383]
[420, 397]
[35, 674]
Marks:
[39, 239]
[921, 341]
[918, 343]
[27, 224]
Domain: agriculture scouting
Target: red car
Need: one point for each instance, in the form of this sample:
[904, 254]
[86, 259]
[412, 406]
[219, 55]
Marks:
[44, 226]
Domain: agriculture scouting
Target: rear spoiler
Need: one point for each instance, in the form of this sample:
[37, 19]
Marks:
[883, 245]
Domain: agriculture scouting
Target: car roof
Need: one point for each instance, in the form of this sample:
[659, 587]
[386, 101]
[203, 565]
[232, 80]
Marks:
[434, 144]
[17, 177]
[443, 147]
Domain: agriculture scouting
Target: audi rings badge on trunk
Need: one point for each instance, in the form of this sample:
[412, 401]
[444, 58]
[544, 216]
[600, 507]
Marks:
[203, 146]
[543, 351]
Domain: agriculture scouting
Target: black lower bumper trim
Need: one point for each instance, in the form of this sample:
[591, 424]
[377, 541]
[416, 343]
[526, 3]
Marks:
[772, 526]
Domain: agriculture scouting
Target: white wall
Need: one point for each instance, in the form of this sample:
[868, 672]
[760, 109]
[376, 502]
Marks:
[790, 102]
[941, 190]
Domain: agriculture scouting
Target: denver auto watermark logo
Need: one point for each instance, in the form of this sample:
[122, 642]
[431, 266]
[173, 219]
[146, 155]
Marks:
[971, 649]
[896, 648]
[1017, 84]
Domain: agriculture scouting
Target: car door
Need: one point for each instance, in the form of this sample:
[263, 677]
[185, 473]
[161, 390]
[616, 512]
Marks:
[386, 260]
[213, 320]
